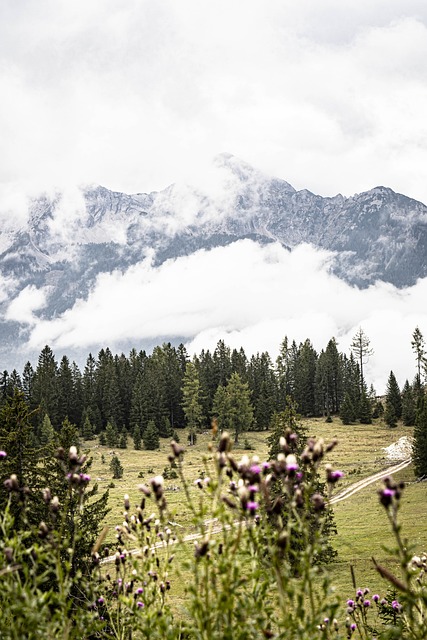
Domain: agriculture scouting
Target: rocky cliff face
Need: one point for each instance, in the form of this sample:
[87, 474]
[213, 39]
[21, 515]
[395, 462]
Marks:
[377, 235]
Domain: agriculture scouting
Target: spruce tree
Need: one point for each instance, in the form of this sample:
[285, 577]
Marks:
[47, 433]
[137, 437]
[111, 435]
[191, 403]
[123, 441]
[419, 448]
[87, 429]
[232, 406]
[365, 408]
[408, 405]
[347, 412]
[362, 351]
[393, 402]
[151, 436]
[116, 467]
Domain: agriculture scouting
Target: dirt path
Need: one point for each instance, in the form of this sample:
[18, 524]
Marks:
[361, 484]
[343, 495]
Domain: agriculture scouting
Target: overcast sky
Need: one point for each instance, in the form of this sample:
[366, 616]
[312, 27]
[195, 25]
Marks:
[330, 95]
[135, 95]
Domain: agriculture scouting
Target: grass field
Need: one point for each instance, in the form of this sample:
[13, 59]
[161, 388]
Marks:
[361, 521]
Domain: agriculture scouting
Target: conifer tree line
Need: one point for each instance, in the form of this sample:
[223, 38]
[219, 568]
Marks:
[148, 396]
[118, 395]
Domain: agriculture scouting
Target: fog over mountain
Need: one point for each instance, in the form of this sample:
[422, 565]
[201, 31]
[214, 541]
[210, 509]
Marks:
[242, 256]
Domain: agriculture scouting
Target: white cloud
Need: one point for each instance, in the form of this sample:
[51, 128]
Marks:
[22, 308]
[249, 295]
[330, 96]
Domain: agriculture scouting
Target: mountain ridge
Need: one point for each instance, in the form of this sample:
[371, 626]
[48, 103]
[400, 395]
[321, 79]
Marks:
[66, 243]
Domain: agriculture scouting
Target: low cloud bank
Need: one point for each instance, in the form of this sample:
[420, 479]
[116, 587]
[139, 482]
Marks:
[247, 294]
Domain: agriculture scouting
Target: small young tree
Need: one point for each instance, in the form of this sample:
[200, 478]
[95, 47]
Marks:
[111, 435]
[137, 437]
[47, 432]
[123, 441]
[87, 431]
[151, 436]
[116, 467]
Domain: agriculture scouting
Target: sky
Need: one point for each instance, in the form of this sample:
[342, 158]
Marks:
[137, 95]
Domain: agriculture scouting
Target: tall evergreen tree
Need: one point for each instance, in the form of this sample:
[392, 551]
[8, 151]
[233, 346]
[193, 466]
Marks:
[418, 347]
[45, 388]
[419, 450]
[408, 405]
[191, 404]
[361, 348]
[347, 411]
[150, 436]
[393, 402]
[232, 406]
[304, 379]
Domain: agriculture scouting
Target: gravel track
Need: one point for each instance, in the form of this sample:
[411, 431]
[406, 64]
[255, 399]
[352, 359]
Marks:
[343, 495]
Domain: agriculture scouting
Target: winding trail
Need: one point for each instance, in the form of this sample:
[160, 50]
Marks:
[343, 495]
[361, 484]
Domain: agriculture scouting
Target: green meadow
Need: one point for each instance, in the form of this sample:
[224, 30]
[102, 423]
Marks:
[363, 528]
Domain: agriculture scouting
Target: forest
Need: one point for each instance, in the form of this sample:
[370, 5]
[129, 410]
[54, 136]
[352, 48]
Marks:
[167, 390]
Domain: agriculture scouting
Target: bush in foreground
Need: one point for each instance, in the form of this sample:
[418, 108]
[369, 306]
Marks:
[242, 582]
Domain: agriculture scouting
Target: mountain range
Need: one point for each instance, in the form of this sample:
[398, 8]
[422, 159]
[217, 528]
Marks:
[377, 235]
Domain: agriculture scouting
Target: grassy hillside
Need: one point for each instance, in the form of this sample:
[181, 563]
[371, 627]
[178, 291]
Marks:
[362, 524]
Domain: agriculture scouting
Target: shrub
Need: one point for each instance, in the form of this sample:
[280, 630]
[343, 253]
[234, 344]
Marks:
[241, 581]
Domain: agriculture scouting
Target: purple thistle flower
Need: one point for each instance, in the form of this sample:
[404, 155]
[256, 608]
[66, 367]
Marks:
[3, 455]
[396, 606]
[359, 593]
[139, 591]
[334, 476]
[255, 468]
[386, 496]
[375, 597]
[265, 466]
[366, 603]
[139, 604]
[252, 506]
[101, 600]
[350, 603]
[353, 626]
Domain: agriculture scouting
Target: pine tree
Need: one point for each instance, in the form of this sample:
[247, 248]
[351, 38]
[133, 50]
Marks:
[123, 441]
[365, 408]
[393, 402]
[419, 450]
[111, 435]
[137, 437]
[47, 433]
[17, 439]
[87, 430]
[116, 467]
[191, 404]
[408, 405]
[418, 347]
[283, 424]
[362, 351]
[347, 412]
[151, 436]
[232, 406]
